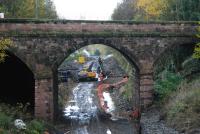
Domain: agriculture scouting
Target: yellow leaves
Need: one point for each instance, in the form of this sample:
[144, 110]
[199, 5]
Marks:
[152, 8]
[198, 29]
[196, 53]
[4, 44]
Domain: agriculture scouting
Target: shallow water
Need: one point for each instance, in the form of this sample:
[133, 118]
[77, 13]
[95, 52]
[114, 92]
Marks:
[85, 118]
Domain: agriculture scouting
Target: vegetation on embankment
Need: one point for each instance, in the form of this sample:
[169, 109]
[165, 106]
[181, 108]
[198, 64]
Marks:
[8, 115]
[178, 95]
[182, 109]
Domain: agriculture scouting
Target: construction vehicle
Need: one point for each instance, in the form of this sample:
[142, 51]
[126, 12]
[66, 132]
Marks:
[81, 59]
[91, 70]
[87, 73]
[105, 87]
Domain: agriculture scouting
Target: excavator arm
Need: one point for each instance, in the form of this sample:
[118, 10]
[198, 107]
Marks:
[103, 87]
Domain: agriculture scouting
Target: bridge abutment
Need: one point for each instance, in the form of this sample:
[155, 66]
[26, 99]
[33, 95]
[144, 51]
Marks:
[44, 99]
[146, 83]
[146, 90]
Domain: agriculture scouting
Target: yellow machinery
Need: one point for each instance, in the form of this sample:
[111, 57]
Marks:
[91, 74]
[81, 59]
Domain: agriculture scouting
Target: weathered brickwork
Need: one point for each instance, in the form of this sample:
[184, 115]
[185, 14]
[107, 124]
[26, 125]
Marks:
[44, 45]
[44, 99]
[146, 89]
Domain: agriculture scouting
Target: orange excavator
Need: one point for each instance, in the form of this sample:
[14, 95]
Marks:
[135, 114]
[103, 87]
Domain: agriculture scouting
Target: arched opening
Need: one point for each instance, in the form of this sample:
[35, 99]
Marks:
[74, 83]
[176, 52]
[169, 68]
[17, 82]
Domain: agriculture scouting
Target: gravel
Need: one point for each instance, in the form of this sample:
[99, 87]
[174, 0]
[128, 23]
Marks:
[151, 123]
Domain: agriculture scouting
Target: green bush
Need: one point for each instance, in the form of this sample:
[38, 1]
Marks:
[35, 127]
[18, 111]
[2, 131]
[166, 84]
[5, 121]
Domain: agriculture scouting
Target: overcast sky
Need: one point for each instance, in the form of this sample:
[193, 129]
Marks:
[85, 9]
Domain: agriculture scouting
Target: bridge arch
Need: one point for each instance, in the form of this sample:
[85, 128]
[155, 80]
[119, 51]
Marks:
[118, 46]
[130, 57]
[183, 50]
[17, 81]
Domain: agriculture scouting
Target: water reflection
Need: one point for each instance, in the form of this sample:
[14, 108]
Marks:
[81, 108]
[86, 118]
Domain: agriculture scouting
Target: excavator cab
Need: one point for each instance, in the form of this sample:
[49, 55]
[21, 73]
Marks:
[91, 70]
[86, 73]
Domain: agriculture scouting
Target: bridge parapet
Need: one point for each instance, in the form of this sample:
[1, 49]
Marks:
[17, 27]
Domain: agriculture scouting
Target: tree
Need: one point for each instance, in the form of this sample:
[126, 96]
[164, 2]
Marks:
[124, 10]
[50, 11]
[182, 10]
[27, 9]
[152, 8]
[4, 43]
[139, 9]
[167, 10]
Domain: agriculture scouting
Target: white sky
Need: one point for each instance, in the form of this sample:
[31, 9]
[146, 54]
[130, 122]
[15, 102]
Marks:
[85, 9]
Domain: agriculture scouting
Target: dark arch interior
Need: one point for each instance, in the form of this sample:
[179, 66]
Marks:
[179, 52]
[17, 82]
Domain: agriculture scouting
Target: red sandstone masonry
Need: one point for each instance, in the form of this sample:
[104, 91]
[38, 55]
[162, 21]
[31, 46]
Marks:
[146, 88]
[98, 27]
[43, 99]
[146, 81]
[146, 95]
[146, 85]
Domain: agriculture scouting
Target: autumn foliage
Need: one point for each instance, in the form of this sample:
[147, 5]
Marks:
[197, 48]
[162, 10]
[4, 44]
[152, 8]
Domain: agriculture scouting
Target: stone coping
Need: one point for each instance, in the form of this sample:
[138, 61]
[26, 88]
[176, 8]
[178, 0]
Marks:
[63, 21]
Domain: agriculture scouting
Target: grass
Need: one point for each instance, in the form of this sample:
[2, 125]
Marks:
[183, 108]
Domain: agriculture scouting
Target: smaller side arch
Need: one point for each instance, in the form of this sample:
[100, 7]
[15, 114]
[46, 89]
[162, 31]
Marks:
[175, 52]
[17, 82]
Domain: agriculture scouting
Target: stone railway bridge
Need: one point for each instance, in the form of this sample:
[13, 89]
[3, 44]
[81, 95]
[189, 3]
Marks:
[42, 45]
